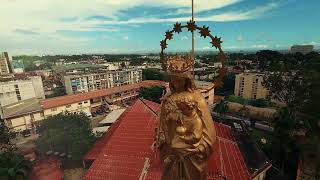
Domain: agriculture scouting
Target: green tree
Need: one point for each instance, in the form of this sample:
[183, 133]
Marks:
[13, 166]
[153, 93]
[58, 91]
[4, 133]
[221, 108]
[153, 74]
[228, 85]
[67, 133]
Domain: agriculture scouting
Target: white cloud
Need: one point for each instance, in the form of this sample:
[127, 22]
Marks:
[42, 19]
[126, 37]
[203, 5]
[205, 48]
[239, 38]
[184, 38]
[223, 17]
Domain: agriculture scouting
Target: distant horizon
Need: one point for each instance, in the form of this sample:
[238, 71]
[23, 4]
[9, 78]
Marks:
[156, 53]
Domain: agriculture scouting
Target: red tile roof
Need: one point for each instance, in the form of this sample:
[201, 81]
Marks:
[69, 99]
[121, 153]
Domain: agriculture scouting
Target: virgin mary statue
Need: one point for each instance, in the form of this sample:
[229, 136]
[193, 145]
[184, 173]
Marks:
[185, 132]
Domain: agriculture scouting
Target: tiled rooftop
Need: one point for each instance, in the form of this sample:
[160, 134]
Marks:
[121, 153]
[69, 99]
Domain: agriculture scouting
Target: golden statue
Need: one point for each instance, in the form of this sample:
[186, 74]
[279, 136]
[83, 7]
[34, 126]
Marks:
[185, 132]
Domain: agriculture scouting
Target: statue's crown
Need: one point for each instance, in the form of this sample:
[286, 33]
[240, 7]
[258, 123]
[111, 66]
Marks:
[179, 64]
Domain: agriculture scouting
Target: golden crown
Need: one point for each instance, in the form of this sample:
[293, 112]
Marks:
[179, 64]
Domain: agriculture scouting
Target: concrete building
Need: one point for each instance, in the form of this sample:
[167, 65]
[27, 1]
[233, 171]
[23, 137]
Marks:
[207, 91]
[92, 101]
[18, 90]
[22, 115]
[80, 83]
[304, 49]
[248, 85]
[5, 66]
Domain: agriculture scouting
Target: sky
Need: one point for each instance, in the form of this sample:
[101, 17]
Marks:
[39, 27]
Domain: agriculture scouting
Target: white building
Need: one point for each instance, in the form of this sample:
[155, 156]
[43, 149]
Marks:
[18, 90]
[5, 66]
[94, 81]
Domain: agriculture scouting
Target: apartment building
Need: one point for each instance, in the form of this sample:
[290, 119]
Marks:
[17, 90]
[249, 85]
[80, 83]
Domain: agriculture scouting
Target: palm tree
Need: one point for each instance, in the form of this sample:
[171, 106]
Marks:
[14, 166]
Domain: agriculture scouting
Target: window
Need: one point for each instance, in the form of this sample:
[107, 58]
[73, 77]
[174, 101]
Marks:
[68, 106]
[80, 103]
[85, 102]
[53, 109]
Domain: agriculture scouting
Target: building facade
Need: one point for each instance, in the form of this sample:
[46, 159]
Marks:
[304, 49]
[94, 81]
[18, 90]
[5, 66]
[249, 85]
[22, 115]
[92, 101]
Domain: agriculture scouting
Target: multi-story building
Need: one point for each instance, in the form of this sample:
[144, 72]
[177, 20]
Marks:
[80, 83]
[304, 49]
[249, 85]
[5, 66]
[90, 102]
[22, 115]
[17, 90]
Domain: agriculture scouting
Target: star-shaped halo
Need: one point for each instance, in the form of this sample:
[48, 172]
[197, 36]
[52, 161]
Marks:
[163, 44]
[177, 28]
[205, 31]
[216, 42]
[169, 35]
[191, 25]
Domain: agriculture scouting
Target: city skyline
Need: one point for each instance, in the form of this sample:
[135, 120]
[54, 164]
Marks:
[137, 26]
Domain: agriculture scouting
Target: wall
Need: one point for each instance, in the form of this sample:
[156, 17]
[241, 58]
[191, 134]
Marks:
[251, 86]
[38, 87]
[75, 107]
[24, 122]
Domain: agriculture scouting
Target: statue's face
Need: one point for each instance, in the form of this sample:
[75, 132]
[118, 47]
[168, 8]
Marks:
[178, 83]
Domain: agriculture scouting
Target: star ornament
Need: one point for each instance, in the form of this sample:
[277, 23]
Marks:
[163, 44]
[169, 35]
[177, 28]
[191, 25]
[205, 31]
[216, 42]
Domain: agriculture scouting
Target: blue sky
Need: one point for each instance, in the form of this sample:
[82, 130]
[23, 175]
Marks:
[134, 26]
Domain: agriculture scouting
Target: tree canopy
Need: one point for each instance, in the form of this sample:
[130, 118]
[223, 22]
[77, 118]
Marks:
[66, 133]
[153, 93]
[13, 166]
[153, 74]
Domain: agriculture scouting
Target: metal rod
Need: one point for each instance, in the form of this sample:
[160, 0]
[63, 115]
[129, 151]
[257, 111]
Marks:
[192, 7]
